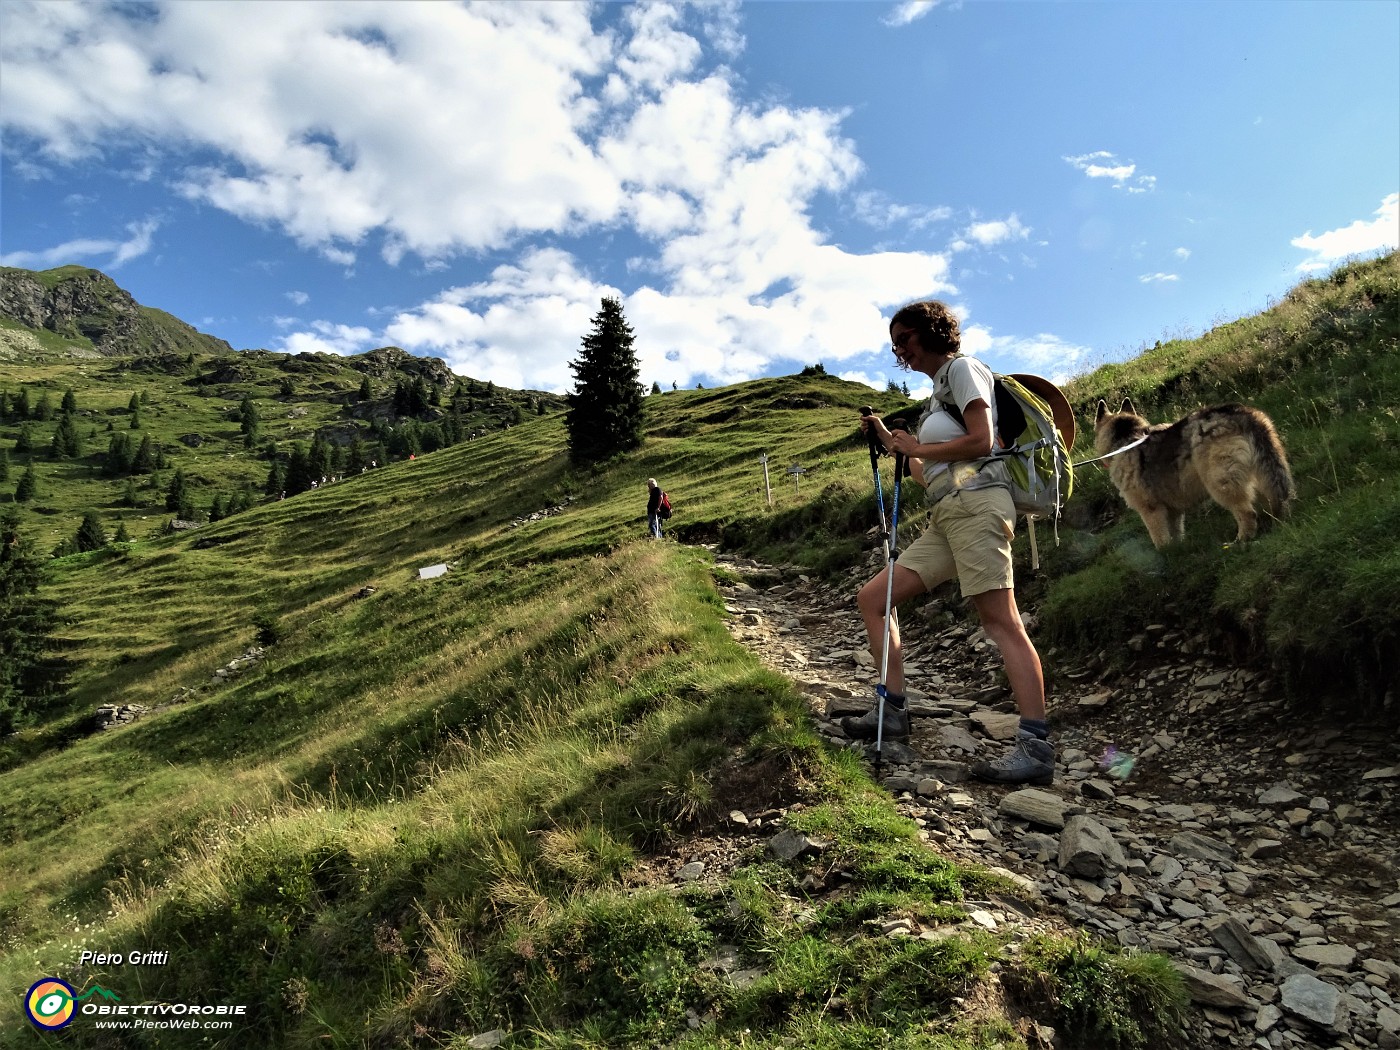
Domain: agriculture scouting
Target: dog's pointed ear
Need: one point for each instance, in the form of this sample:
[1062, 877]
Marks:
[1128, 406]
[1103, 411]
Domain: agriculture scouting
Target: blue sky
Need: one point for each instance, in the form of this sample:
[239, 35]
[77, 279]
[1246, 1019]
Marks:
[761, 184]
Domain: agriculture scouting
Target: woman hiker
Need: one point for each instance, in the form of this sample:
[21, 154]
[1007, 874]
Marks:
[969, 537]
[654, 508]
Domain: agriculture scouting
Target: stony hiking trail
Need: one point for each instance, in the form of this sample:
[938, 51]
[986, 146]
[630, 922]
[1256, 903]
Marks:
[1193, 812]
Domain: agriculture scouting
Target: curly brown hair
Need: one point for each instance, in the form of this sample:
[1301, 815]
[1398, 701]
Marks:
[936, 324]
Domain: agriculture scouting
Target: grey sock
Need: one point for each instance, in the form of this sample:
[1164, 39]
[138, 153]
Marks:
[1036, 727]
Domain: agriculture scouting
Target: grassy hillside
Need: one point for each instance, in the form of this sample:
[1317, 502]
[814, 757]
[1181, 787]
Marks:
[1319, 597]
[435, 809]
[189, 406]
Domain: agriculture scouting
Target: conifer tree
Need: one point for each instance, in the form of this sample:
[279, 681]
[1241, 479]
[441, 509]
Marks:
[177, 497]
[27, 622]
[4, 465]
[28, 487]
[276, 482]
[250, 421]
[605, 409]
[66, 441]
[91, 536]
[134, 405]
[144, 460]
[122, 535]
[118, 459]
[43, 411]
[366, 391]
[70, 402]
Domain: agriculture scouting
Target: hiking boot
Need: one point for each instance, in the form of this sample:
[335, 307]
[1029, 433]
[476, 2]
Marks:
[1030, 761]
[863, 727]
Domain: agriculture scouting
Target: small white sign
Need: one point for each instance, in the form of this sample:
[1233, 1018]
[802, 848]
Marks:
[432, 572]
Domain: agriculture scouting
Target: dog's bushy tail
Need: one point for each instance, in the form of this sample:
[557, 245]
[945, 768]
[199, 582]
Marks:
[1273, 465]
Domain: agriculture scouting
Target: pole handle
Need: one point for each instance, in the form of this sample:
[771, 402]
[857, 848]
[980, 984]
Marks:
[872, 439]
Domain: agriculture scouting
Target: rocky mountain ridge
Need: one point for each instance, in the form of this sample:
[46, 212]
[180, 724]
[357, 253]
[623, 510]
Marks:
[90, 308]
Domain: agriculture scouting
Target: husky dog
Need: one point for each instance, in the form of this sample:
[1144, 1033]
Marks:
[1230, 453]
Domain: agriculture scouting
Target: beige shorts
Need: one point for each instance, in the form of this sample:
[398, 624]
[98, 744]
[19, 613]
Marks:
[969, 536]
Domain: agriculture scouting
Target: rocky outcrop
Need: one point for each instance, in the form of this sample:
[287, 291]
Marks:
[391, 362]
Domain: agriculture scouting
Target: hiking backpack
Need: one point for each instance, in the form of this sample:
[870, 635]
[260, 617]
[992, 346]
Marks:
[1032, 445]
[664, 509]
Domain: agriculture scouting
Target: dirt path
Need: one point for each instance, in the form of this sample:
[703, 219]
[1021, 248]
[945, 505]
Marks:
[1193, 811]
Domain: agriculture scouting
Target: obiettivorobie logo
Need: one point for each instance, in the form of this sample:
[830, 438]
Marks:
[50, 1002]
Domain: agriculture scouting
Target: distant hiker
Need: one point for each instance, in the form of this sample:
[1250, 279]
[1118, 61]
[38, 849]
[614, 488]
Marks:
[968, 538]
[654, 495]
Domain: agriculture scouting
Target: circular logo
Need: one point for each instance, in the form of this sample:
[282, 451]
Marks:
[50, 1003]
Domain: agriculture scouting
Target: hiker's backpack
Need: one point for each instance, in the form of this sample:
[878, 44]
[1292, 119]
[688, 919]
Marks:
[1033, 442]
[664, 509]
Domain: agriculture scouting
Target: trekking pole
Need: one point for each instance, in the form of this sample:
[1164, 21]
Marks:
[882, 690]
[873, 440]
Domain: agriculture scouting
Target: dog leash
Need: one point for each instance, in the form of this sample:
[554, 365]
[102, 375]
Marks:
[1115, 452]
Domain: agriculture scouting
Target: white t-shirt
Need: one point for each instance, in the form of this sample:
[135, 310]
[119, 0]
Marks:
[961, 381]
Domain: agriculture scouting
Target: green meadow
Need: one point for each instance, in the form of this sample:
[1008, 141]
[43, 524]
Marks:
[428, 811]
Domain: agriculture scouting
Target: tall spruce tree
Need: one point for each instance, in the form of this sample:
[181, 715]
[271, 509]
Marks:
[605, 409]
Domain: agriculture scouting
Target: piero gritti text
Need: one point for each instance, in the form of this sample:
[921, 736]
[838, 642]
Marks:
[89, 958]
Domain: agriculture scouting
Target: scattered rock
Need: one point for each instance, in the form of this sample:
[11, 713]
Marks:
[1305, 996]
[1211, 989]
[1039, 807]
[1087, 848]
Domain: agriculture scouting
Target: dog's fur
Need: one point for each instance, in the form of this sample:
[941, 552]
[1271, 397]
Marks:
[1230, 453]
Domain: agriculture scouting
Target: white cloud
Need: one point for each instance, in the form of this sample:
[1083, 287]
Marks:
[1357, 238]
[1105, 165]
[1043, 354]
[874, 382]
[109, 254]
[300, 298]
[988, 234]
[1182, 253]
[1158, 278]
[909, 11]
[522, 325]
[329, 338]
[876, 209]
